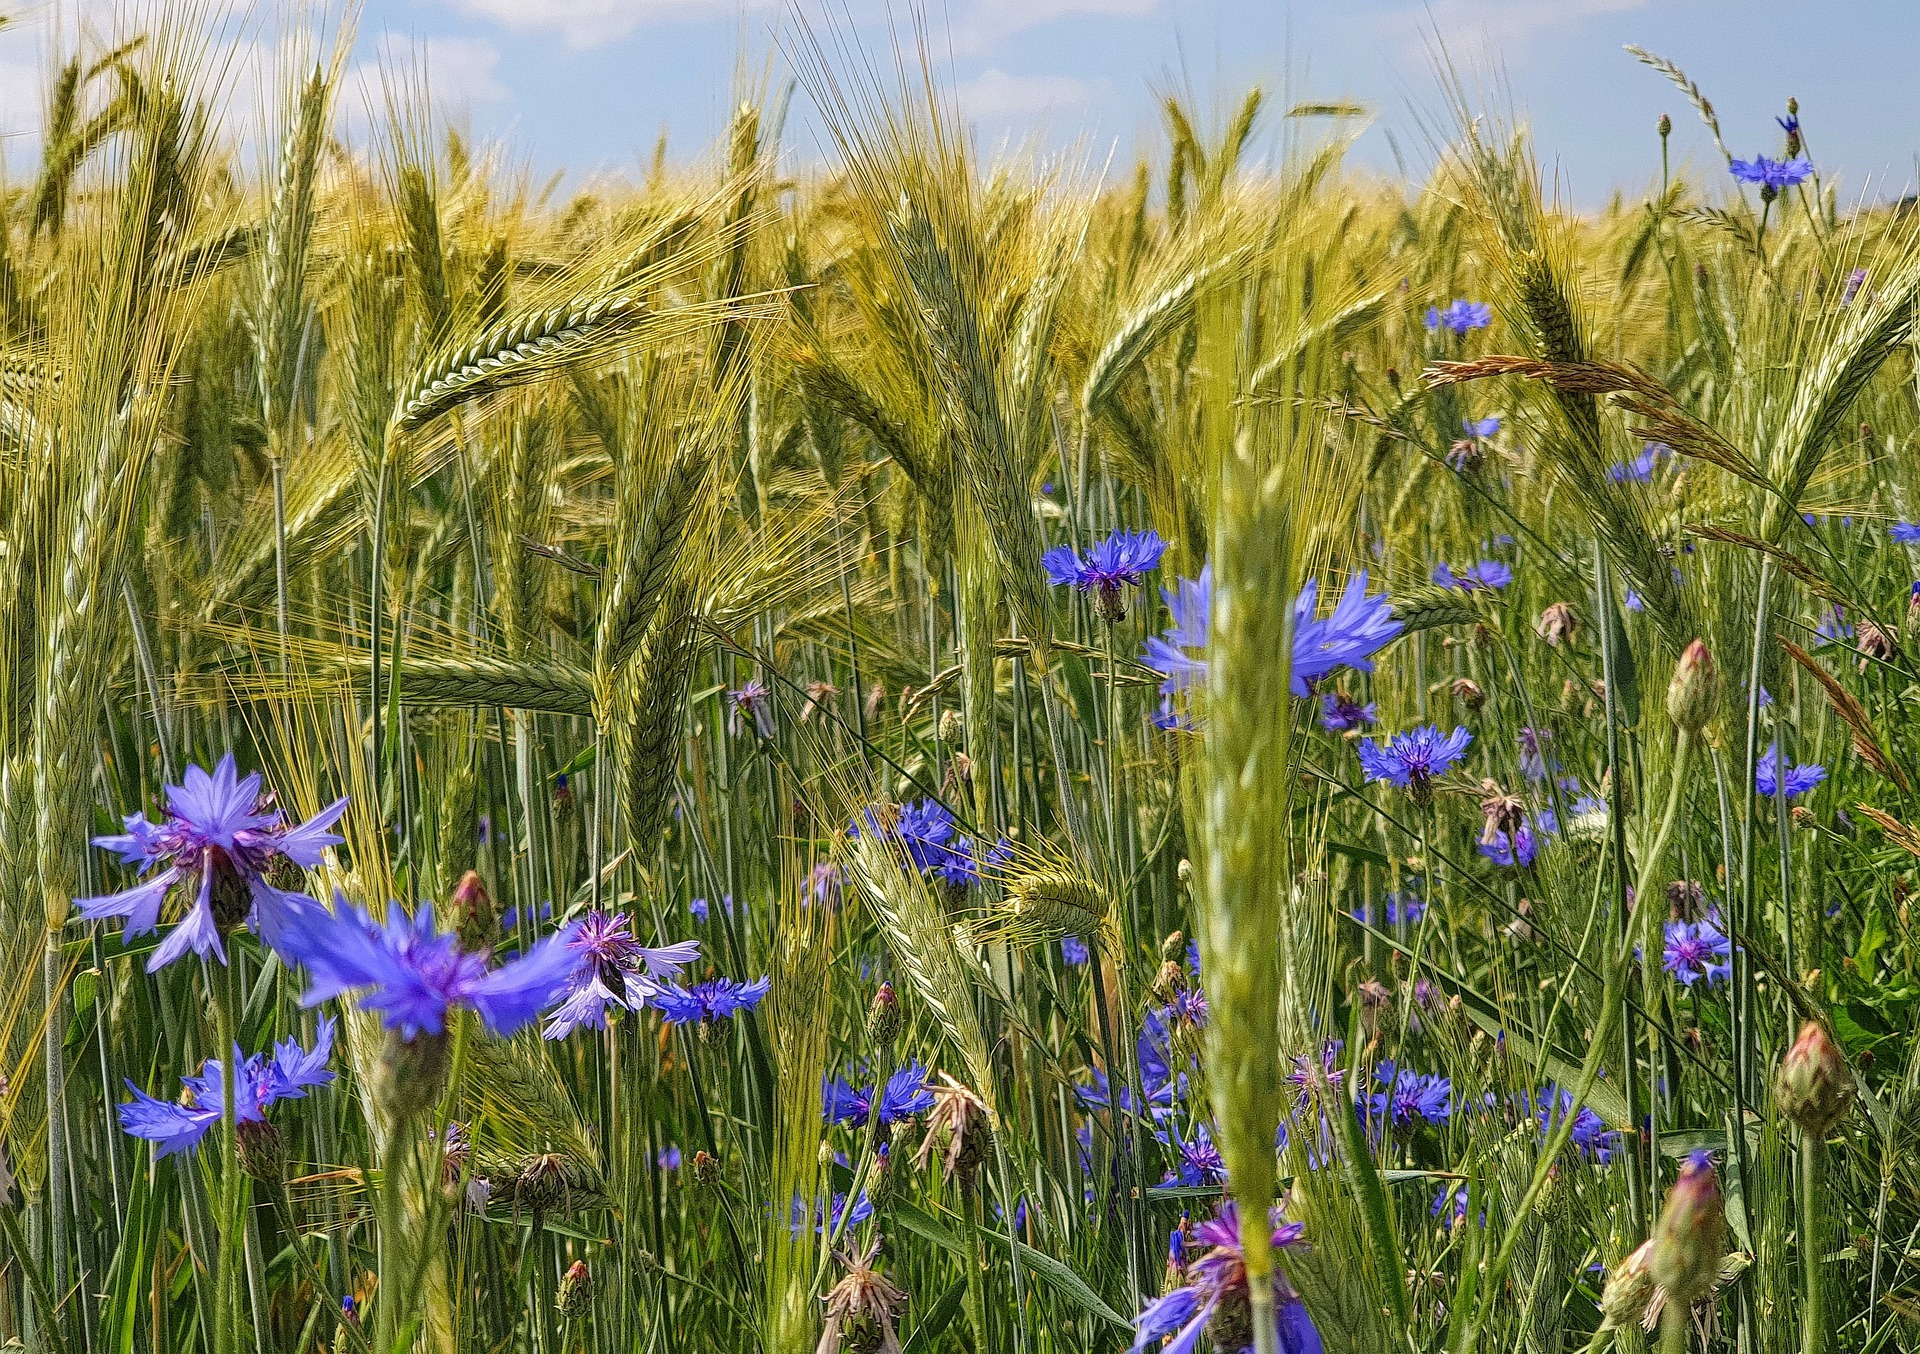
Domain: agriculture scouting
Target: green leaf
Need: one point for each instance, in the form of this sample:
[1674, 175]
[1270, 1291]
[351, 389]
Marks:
[1069, 1284]
[935, 1323]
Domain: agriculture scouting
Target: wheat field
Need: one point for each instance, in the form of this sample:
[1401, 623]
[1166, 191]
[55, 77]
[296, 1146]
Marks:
[872, 756]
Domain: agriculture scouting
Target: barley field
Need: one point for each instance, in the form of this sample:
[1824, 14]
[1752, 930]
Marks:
[872, 757]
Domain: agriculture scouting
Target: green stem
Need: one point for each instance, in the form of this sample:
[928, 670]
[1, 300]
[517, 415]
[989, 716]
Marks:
[1813, 1311]
[283, 1210]
[1673, 1329]
[976, 1274]
[1612, 1010]
[36, 1282]
[225, 1306]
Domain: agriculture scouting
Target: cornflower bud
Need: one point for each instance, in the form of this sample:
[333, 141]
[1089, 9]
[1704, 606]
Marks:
[1692, 1236]
[952, 731]
[705, 1170]
[474, 916]
[263, 1155]
[1629, 1290]
[410, 1074]
[575, 1293]
[1814, 1087]
[1694, 692]
[1664, 126]
[883, 1017]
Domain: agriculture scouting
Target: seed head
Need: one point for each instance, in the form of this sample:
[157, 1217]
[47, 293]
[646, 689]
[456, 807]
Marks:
[705, 1170]
[1814, 1086]
[1692, 1236]
[1694, 692]
[1556, 624]
[1630, 1288]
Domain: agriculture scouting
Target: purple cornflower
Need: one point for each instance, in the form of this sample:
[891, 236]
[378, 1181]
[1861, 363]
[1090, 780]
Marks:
[1634, 601]
[417, 973]
[611, 968]
[906, 1095]
[824, 882]
[1906, 533]
[1488, 573]
[1591, 1136]
[1218, 1277]
[1772, 175]
[1411, 760]
[1697, 950]
[1800, 779]
[1123, 560]
[1396, 908]
[1198, 1160]
[258, 1082]
[702, 910]
[1481, 428]
[1358, 627]
[1533, 751]
[716, 999]
[1834, 626]
[1074, 951]
[1851, 288]
[1306, 1077]
[221, 836]
[1340, 712]
[862, 1210]
[754, 701]
[669, 1159]
[1511, 849]
[1410, 1098]
[1460, 317]
[1640, 469]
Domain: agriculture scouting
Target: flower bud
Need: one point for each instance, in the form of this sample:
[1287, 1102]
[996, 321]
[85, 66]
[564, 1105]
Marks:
[1664, 126]
[883, 1017]
[705, 1170]
[263, 1155]
[952, 731]
[1629, 1290]
[575, 1293]
[1692, 1236]
[410, 1074]
[1469, 693]
[1694, 692]
[1814, 1086]
[474, 916]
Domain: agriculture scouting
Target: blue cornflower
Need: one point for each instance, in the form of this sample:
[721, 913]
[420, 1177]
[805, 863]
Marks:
[417, 973]
[1634, 601]
[1834, 625]
[1411, 760]
[1454, 1197]
[1481, 428]
[1460, 317]
[1358, 627]
[1640, 469]
[1396, 908]
[1488, 573]
[1219, 1278]
[1533, 751]
[612, 968]
[1074, 951]
[669, 1158]
[258, 1082]
[716, 999]
[1800, 779]
[1693, 951]
[862, 1210]
[1772, 175]
[906, 1095]
[1511, 849]
[1340, 712]
[1123, 560]
[1851, 288]
[1198, 1160]
[926, 837]
[1907, 533]
[1591, 1136]
[1159, 1086]
[220, 837]
[1410, 1098]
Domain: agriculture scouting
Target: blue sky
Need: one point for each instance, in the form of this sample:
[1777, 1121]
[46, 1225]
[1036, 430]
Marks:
[588, 85]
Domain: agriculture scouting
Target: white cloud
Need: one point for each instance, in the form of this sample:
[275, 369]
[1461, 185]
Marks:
[994, 95]
[1501, 28]
[459, 71]
[595, 23]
